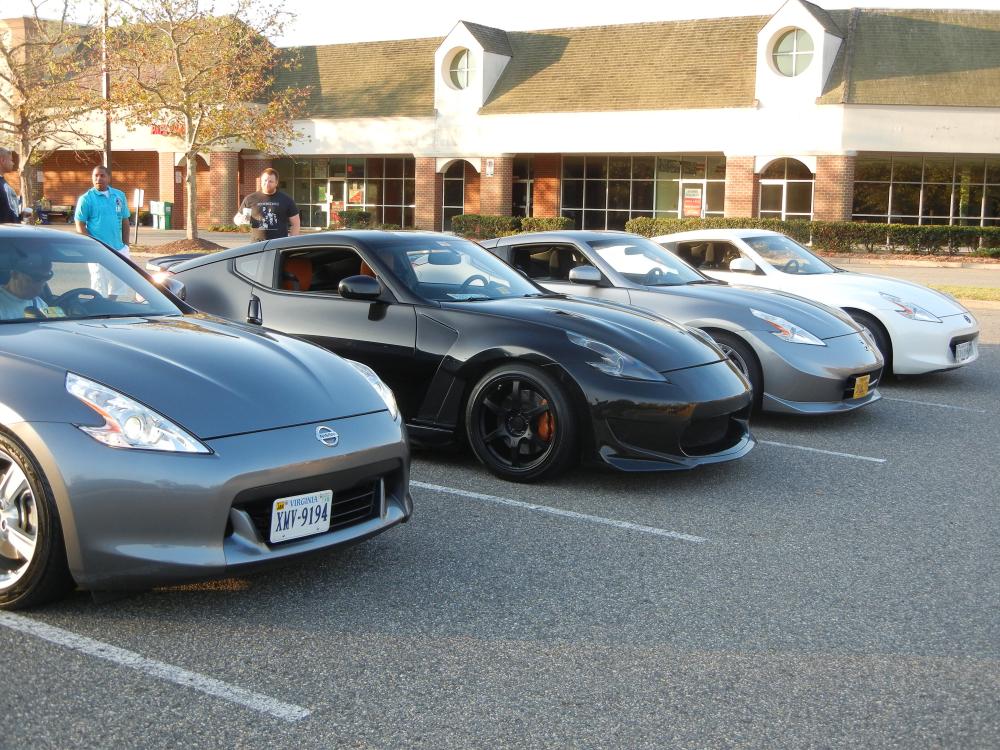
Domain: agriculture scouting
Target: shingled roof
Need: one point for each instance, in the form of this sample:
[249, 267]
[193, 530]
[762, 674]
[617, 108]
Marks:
[366, 79]
[669, 65]
[918, 57]
[492, 40]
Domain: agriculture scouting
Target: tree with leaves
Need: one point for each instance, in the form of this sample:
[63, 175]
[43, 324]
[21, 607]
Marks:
[49, 85]
[186, 67]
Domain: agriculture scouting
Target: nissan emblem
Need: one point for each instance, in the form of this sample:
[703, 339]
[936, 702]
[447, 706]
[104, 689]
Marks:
[327, 436]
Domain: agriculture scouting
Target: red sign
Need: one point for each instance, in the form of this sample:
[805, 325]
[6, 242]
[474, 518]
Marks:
[174, 130]
[692, 203]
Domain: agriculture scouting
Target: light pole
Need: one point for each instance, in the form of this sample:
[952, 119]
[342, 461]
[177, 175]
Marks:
[106, 89]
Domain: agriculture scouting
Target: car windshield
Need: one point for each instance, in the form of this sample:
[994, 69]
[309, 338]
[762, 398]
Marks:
[455, 270]
[642, 261]
[787, 255]
[72, 278]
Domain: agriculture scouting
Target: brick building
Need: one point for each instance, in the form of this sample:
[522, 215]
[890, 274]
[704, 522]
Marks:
[871, 115]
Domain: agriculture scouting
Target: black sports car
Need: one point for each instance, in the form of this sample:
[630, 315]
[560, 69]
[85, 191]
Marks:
[474, 350]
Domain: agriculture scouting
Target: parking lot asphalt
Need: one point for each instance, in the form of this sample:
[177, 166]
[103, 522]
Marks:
[839, 587]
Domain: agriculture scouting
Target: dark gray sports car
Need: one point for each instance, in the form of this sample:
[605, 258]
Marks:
[142, 443]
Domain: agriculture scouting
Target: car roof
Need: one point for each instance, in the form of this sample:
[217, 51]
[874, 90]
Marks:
[707, 234]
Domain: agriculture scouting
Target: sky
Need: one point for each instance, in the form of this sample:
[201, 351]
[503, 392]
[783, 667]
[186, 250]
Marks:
[323, 22]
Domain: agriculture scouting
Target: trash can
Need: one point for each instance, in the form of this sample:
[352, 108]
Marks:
[161, 211]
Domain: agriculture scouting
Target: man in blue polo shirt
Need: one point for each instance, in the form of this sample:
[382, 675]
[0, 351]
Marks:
[102, 213]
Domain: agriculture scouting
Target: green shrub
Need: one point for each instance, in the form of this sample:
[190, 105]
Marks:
[355, 219]
[988, 252]
[484, 226]
[842, 236]
[545, 223]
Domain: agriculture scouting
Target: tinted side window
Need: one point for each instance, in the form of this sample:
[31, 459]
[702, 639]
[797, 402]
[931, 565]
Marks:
[319, 270]
[549, 263]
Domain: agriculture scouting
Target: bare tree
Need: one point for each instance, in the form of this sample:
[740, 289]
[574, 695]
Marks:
[48, 85]
[205, 76]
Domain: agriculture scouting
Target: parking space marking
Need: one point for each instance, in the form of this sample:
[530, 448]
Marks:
[255, 701]
[820, 450]
[563, 513]
[934, 403]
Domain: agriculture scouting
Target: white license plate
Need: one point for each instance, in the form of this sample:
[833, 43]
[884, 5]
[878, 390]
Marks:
[965, 350]
[301, 515]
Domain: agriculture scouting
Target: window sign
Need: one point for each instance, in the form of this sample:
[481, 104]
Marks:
[692, 203]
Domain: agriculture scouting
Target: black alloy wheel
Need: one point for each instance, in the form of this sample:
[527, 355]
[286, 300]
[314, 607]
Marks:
[741, 355]
[520, 424]
[32, 555]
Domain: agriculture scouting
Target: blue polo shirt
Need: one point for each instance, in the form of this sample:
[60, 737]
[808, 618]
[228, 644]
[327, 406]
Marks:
[103, 214]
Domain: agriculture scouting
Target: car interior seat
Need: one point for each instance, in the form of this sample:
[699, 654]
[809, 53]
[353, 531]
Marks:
[296, 274]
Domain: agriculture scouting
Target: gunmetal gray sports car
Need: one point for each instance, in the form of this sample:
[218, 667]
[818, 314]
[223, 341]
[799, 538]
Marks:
[142, 443]
[799, 356]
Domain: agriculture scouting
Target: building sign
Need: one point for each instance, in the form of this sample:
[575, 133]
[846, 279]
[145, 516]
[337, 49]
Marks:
[175, 129]
[692, 203]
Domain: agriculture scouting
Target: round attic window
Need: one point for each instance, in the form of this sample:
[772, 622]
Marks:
[792, 52]
[460, 69]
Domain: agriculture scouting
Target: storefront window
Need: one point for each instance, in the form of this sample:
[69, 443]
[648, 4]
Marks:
[927, 190]
[786, 190]
[324, 186]
[604, 192]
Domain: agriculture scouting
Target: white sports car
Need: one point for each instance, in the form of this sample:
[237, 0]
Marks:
[917, 329]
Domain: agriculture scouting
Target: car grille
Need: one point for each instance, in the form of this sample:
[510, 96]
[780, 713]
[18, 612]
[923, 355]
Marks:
[348, 507]
[706, 436]
[874, 377]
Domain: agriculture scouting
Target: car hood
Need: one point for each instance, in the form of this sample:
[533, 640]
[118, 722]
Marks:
[869, 285]
[210, 377]
[734, 303]
[658, 342]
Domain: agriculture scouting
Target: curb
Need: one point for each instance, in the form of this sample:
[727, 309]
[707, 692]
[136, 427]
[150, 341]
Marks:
[849, 261]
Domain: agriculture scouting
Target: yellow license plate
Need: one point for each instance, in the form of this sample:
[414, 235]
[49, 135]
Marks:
[861, 386]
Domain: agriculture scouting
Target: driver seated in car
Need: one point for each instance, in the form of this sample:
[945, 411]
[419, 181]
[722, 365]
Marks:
[20, 297]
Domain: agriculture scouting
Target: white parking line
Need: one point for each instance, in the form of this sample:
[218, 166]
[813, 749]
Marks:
[256, 701]
[563, 513]
[933, 403]
[820, 450]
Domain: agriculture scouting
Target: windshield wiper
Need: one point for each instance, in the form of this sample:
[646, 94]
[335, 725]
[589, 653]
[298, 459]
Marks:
[706, 281]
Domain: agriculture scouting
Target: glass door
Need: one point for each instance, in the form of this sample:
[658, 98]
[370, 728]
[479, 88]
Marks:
[336, 190]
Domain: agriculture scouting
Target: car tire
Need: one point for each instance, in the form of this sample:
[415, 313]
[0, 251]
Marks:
[742, 355]
[520, 423]
[878, 333]
[33, 566]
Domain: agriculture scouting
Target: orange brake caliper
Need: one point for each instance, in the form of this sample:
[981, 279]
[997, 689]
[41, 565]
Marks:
[546, 425]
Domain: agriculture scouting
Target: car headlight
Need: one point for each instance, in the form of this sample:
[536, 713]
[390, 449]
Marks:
[127, 423]
[911, 311]
[787, 331]
[376, 382]
[616, 363]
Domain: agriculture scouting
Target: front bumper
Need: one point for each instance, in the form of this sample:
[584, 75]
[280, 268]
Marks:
[700, 417]
[919, 347]
[134, 519]
[804, 379]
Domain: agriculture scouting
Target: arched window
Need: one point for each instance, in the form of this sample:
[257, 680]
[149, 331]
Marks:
[786, 190]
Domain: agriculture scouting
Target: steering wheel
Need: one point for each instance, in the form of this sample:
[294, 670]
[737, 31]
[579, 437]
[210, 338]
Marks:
[467, 284]
[791, 266]
[74, 298]
[653, 276]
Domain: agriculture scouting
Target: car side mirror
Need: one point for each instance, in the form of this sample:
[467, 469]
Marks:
[360, 287]
[175, 287]
[742, 265]
[585, 275]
